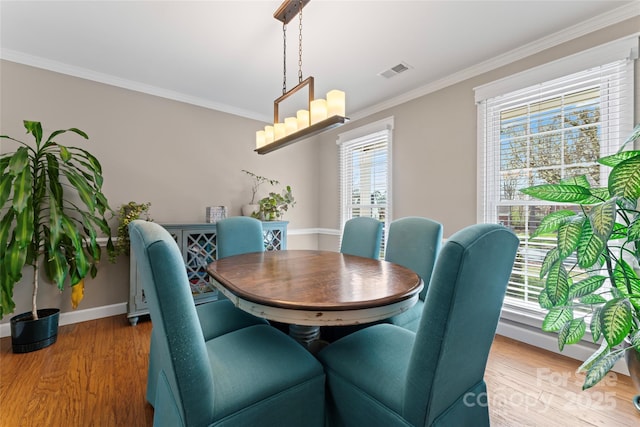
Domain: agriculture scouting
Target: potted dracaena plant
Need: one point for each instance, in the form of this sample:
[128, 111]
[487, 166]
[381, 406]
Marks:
[591, 272]
[52, 209]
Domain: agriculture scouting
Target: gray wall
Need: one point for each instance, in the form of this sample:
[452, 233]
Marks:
[182, 158]
[179, 157]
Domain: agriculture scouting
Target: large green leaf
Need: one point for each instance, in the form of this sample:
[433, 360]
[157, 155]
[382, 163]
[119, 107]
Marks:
[590, 246]
[83, 188]
[569, 236]
[35, 129]
[6, 183]
[598, 195]
[22, 187]
[616, 320]
[600, 368]
[624, 179]
[556, 318]
[586, 286]
[544, 301]
[603, 217]
[55, 222]
[14, 260]
[53, 171]
[571, 332]
[617, 158]
[633, 232]
[72, 233]
[563, 193]
[24, 227]
[550, 259]
[552, 222]
[557, 284]
[5, 227]
[65, 155]
[56, 265]
[580, 180]
[6, 294]
[19, 161]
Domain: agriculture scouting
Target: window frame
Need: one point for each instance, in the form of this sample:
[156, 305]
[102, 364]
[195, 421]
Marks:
[351, 139]
[488, 157]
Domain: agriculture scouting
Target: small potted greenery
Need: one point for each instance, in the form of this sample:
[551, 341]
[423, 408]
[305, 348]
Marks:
[52, 209]
[256, 182]
[591, 272]
[127, 213]
[273, 206]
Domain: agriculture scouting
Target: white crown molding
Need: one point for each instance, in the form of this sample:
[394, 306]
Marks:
[601, 21]
[84, 73]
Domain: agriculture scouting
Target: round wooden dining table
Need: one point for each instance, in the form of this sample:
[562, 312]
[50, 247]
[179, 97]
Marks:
[309, 288]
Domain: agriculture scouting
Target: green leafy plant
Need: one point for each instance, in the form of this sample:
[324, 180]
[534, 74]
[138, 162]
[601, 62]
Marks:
[257, 181]
[127, 213]
[52, 209]
[590, 274]
[275, 205]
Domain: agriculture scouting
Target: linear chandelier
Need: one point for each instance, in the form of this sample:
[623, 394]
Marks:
[321, 114]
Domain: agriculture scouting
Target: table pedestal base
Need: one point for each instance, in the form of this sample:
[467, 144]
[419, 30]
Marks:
[305, 335]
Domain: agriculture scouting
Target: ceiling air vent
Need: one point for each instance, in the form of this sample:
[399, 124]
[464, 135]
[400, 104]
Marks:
[395, 70]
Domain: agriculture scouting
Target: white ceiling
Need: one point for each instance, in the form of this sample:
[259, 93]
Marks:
[227, 55]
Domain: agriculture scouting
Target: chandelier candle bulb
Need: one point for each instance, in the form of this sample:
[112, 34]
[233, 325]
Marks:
[291, 125]
[318, 110]
[279, 131]
[260, 138]
[303, 119]
[269, 134]
[336, 103]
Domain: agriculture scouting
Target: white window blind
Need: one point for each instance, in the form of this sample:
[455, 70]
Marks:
[542, 134]
[365, 173]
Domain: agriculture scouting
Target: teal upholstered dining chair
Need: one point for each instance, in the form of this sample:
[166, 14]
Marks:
[362, 236]
[216, 318]
[252, 376]
[414, 242]
[386, 375]
[238, 235]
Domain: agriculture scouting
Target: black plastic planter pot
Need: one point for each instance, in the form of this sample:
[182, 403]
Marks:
[30, 335]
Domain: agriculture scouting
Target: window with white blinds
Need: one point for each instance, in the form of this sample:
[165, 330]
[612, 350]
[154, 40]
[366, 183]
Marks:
[541, 134]
[365, 173]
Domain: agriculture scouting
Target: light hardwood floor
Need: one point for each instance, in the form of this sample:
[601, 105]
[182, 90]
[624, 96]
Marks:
[95, 376]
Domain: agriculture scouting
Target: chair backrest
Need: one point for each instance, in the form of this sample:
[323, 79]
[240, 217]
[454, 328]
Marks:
[238, 235]
[459, 319]
[175, 320]
[414, 242]
[362, 237]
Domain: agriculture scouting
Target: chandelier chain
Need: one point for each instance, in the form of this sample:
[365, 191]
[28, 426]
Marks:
[300, 45]
[284, 56]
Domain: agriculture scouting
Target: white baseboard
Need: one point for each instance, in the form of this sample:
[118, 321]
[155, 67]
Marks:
[535, 337]
[79, 316]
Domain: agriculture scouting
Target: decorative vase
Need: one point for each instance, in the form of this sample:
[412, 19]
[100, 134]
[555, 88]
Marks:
[30, 335]
[633, 363]
[248, 209]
